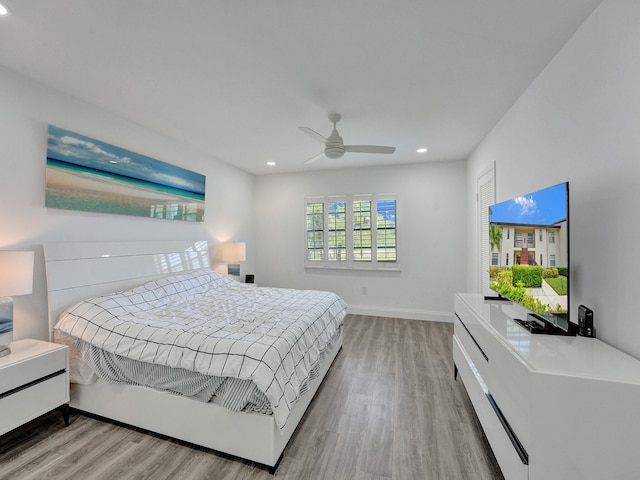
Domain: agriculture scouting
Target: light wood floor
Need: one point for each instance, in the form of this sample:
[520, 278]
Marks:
[388, 409]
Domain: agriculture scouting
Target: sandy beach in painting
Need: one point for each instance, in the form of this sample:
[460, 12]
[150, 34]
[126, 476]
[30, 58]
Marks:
[77, 190]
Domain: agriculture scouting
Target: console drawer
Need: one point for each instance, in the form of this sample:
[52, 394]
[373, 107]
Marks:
[511, 464]
[510, 383]
[474, 326]
[507, 379]
[471, 346]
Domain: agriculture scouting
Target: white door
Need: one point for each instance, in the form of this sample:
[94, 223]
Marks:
[486, 195]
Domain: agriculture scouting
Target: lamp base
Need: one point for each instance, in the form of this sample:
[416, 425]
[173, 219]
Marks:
[6, 325]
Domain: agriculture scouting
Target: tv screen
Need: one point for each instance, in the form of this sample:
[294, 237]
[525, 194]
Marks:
[529, 245]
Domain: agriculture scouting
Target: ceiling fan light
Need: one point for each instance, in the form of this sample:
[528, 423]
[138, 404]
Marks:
[334, 151]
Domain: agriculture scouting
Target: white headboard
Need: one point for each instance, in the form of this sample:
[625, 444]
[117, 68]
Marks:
[79, 270]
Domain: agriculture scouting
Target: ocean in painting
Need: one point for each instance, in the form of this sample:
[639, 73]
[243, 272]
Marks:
[89, 175]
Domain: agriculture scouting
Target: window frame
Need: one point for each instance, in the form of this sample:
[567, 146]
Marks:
[350, 263]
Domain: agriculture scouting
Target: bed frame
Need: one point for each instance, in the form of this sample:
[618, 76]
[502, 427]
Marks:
[78, 270]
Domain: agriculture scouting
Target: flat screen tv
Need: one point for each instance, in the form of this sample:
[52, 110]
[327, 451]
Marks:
[529, 263]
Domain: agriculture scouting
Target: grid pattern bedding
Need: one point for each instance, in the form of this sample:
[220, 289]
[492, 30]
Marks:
[205, 322]
[232, 393]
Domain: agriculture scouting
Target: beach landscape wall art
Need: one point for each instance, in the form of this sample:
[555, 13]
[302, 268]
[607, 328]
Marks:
[90, 175]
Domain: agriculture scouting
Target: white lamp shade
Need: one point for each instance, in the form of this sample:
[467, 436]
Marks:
[234, 252]
[16, 273]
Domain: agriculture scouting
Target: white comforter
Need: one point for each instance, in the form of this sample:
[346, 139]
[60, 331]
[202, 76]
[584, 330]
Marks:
[208, 323]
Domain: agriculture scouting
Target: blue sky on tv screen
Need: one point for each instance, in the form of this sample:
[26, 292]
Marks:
[543, 207]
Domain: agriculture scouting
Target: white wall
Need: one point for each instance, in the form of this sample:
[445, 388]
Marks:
[26, 109]
[431, 243]
[580, 121]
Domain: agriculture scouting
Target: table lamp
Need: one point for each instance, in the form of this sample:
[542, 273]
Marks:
[16, 278]
[234, 253]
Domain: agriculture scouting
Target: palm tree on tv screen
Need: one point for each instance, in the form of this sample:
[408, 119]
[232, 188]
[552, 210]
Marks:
[495, 236]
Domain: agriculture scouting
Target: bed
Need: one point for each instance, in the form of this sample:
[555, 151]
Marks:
[77, 271]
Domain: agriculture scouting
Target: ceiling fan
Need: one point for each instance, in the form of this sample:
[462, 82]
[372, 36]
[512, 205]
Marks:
[334, 146]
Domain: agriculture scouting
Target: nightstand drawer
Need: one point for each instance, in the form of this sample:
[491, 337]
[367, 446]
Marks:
[27, 367]
[29, 403]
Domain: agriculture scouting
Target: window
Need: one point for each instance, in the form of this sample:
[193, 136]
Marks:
[508, 233]
[355, 231]
[507, 260]
[337, 231]
[315, 231]
[541, 258]
[494, 259]
[552, 260]
[552, 237]
[386, 231]
[362, 231]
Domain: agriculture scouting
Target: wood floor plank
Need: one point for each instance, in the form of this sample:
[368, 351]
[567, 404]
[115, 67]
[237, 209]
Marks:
[318, 446]
[377, 455]
[410, 454]
[389, 409]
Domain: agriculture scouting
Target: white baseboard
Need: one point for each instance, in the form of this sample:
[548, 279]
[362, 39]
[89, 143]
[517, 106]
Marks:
[407, 313]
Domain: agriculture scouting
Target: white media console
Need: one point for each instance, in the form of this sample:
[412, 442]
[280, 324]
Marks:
[552, 407]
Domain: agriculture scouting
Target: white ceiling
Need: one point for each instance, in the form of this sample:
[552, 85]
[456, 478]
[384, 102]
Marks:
[236, 78]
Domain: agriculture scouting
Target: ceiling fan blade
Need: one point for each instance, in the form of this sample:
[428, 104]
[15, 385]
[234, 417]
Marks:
[314, 158]
[313, 134]
[369, 149]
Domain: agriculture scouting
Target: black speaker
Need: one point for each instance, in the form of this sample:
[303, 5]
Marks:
[249, 278]
[585, 322]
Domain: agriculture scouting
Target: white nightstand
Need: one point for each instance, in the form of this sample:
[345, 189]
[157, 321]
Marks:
[34, 379]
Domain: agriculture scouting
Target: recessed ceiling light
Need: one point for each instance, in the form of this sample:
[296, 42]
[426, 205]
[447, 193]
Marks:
[422, 150]
[271, 164]
[3, 10]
